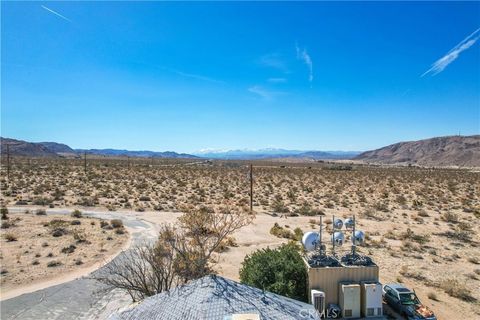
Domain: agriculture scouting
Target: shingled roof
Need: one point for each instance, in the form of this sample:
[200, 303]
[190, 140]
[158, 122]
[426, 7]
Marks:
[214, 297]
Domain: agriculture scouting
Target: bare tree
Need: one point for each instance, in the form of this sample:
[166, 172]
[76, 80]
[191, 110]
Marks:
[183, 252]
[142, 271]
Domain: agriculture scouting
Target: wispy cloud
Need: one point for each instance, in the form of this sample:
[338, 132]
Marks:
[273, 60]
[277, 80]
[303, 55]
[264, 93]
[56, 13]
[194, 76]
[440, 65]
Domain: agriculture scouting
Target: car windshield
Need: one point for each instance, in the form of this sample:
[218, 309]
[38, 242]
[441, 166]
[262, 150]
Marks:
[409, 298]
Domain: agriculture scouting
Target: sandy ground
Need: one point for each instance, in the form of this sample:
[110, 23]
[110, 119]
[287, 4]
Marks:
[27, 263]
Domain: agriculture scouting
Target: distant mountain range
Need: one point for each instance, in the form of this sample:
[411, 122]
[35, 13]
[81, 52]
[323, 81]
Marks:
[135, 154]
[53, 149]
[246, 154]
[462, 151]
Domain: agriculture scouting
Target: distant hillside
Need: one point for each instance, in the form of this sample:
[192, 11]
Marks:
[137, 154]
[271, 153]
[53, 149]
[59, 148]
[462, 151]
[24, 148]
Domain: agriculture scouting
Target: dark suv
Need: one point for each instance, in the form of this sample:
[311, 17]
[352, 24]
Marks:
[405, 302]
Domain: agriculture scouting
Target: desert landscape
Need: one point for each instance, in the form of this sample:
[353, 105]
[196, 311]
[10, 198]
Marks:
[38, 249]
[420, 222]
[240, 159]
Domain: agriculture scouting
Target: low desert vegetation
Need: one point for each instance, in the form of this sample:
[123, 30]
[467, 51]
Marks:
[42, 247]
[422, 218]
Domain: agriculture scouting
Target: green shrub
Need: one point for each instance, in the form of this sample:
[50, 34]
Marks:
[76, 214]
[280, 232]
[281, 271]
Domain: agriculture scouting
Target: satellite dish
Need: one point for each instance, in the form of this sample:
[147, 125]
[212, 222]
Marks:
[310, 240]
[338, 224]
[359, 237]
[338, 238]
[349, 223]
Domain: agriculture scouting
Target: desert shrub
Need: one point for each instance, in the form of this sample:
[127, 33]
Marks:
[103, 223]
[298, 234]
[120, 230]
[40, 212]
[280, 232]
[58, 232]
[280, 207]
[453, 287]
[450, 217]
[7, 224]
[116, 223]
[41, 201]
[404, 271]
[410, 235]
[54, 263]
[70, 249]
[56, 223]
[75, 222]
[281, 271]
[76, 214]
[460, 235]
[307, 210]
[10, 237]
[35, 262]
[474, 260]
[144, 198]
[423, 213]
[432, 296]
[80, 237]
[4, 213]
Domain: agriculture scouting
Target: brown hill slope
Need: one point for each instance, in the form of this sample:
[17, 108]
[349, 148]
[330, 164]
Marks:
[24, 148]
[463, 151]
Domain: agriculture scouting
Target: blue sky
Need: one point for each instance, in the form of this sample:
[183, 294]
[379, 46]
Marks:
[192, 76]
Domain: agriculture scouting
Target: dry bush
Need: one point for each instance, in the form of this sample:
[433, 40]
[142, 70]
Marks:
[432, 296]
[116, 223]
[10, 237]
[183, 252]
[281, 232]
[457, 289]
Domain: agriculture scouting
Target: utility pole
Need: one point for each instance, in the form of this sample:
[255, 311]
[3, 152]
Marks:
[8, 162]
[85, 161]
[251, 188]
